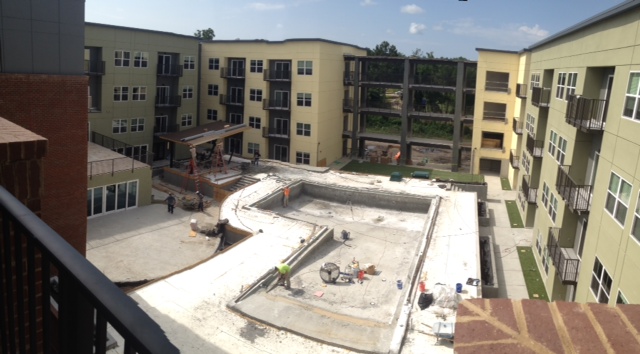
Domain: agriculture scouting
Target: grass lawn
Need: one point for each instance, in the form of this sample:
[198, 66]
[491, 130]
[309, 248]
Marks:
[514, 215]
[505, 184]
[535, 286]
[385, 170]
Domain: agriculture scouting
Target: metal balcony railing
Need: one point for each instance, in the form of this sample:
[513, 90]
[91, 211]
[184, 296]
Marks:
[499, 116]
[434, 80]
[278, 104]
[277, 75]
[540, 96]
[233, 73]
[231, 100]
[169, 70]
[515, 159]
[117, 145]
[565, 260]
[347, 105]
[379, 105]
[517, 125]
[271, 132]
[498, 86]
[530, 194]
[94, 67]
[72, 317]
[169, 101]
[379, 77]
[586, 114]
[577, 197]
[349, 77]
[521, 90]
[535, 147]
[120, 164]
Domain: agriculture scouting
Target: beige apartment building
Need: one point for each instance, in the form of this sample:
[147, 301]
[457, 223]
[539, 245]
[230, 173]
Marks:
[289, 92]
[577, 136]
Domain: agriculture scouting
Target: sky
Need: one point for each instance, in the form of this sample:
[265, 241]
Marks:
[448, 28]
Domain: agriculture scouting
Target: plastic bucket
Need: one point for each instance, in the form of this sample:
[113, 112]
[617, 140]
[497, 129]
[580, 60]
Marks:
[459, 288]
[399, 284]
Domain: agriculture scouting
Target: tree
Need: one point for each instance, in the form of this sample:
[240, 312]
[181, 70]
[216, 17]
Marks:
[385, 49]
[205, 34]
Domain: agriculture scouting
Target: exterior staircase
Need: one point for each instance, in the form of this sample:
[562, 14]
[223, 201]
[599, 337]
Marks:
[243, 182]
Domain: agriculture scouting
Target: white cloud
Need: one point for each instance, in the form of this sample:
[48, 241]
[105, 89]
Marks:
[260, 6]
[279, 25]
[514, 35]
[367, 3]
[535, 31]
[416, 28]
[411, 9]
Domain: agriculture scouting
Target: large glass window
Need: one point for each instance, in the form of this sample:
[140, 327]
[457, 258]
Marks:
[112, 197]
[631, 107]
[557, 147]
[618, 197]
[531, 125]
[600, 282]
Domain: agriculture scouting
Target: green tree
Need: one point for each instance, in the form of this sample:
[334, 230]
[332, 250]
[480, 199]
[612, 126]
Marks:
[205, 34]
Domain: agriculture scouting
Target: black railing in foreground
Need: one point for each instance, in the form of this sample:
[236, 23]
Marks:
[577, 197]
[530, 193]
[517, 126]
[540, 96]
[32, 253]
[565, 260]
[586, 113]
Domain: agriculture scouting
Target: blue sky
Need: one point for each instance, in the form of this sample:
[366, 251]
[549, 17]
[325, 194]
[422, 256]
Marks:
[449, 28]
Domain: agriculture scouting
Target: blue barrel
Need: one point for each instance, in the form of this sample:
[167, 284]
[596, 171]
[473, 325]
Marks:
[399, 284]
[459, 288]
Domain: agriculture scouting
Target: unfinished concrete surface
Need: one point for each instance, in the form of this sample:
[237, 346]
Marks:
[191, 306]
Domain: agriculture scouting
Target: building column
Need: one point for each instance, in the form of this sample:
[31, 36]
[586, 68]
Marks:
[404, 155]
[457, 118]
[356, 111]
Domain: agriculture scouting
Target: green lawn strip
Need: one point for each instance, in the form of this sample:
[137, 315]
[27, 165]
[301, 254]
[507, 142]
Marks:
[386, 170]
[535, 286]
[505, 184]
[514, 215]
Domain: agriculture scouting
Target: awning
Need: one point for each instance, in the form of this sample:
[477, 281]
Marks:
[205, 133]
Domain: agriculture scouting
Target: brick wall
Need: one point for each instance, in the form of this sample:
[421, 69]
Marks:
[55, 107]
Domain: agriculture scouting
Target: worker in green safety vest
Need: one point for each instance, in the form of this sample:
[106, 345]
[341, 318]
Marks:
[284, 271]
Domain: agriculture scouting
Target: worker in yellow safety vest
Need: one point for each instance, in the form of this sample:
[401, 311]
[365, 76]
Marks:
[284, 271]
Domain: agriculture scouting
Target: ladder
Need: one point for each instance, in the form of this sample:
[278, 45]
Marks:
[218, 160]
[193, 167]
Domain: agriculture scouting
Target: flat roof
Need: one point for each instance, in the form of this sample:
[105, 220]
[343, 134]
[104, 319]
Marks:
[142, 30]
[101, 160]
[265, 41]
[498, 51]
[206, 133]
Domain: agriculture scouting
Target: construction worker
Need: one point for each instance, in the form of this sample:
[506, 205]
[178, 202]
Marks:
[286, 191]
[256, 157]
[171, 202]
[200, 201]
[284, 272]
[397, 158]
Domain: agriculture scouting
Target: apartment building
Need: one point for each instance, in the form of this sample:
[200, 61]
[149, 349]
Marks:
[288, 92]
[495, 148]
[579, 173]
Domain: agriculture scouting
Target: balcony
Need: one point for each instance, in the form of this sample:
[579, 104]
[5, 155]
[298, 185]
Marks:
[540, 96]
[577, 197]
[168, 101]
[496, 116]
[535, 147]
[269, 132]
[497, 86]
[94, 67]
[530, 194]
[517, 125]
[586, 114]
[277, 75]
[231, 100]
[349, 77]
[169, 70]
[521, 90]
[347, 105]
[72, 317]
[515, 160]
[276, 105]
[565, 260]
[232, 73]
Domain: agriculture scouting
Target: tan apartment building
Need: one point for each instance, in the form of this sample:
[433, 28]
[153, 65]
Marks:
[289, 92]
[579, 146]
[494, 145]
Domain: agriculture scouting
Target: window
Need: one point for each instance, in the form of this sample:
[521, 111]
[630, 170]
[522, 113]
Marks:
[600, 282]
[189, 63]
[212, 114]
[236, 96]
[562, 80]
[122, 58]
[526, 162]
[635, 229]
[566, 85]
[305, 67]
[212, 90]
[120, 93]
[530, 125]
[304, 99]
[139, 93]
[255, 122]
[545, 195]
[252, 148]
[187, 92]
[303, 158]
[618, 197]
[187, 120]
[119, 126]
[631, 107]
[256, 66]
[546, 261]
[572, 80]
[214, 63]
[303, 129]
[140, 59]
[535, 81]
[235, 146]
[235, 118]
[137, 125]
[621, 298]
[557, 147]
[255, 95]
[112, 197]
[539, 245]
[553, 207]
